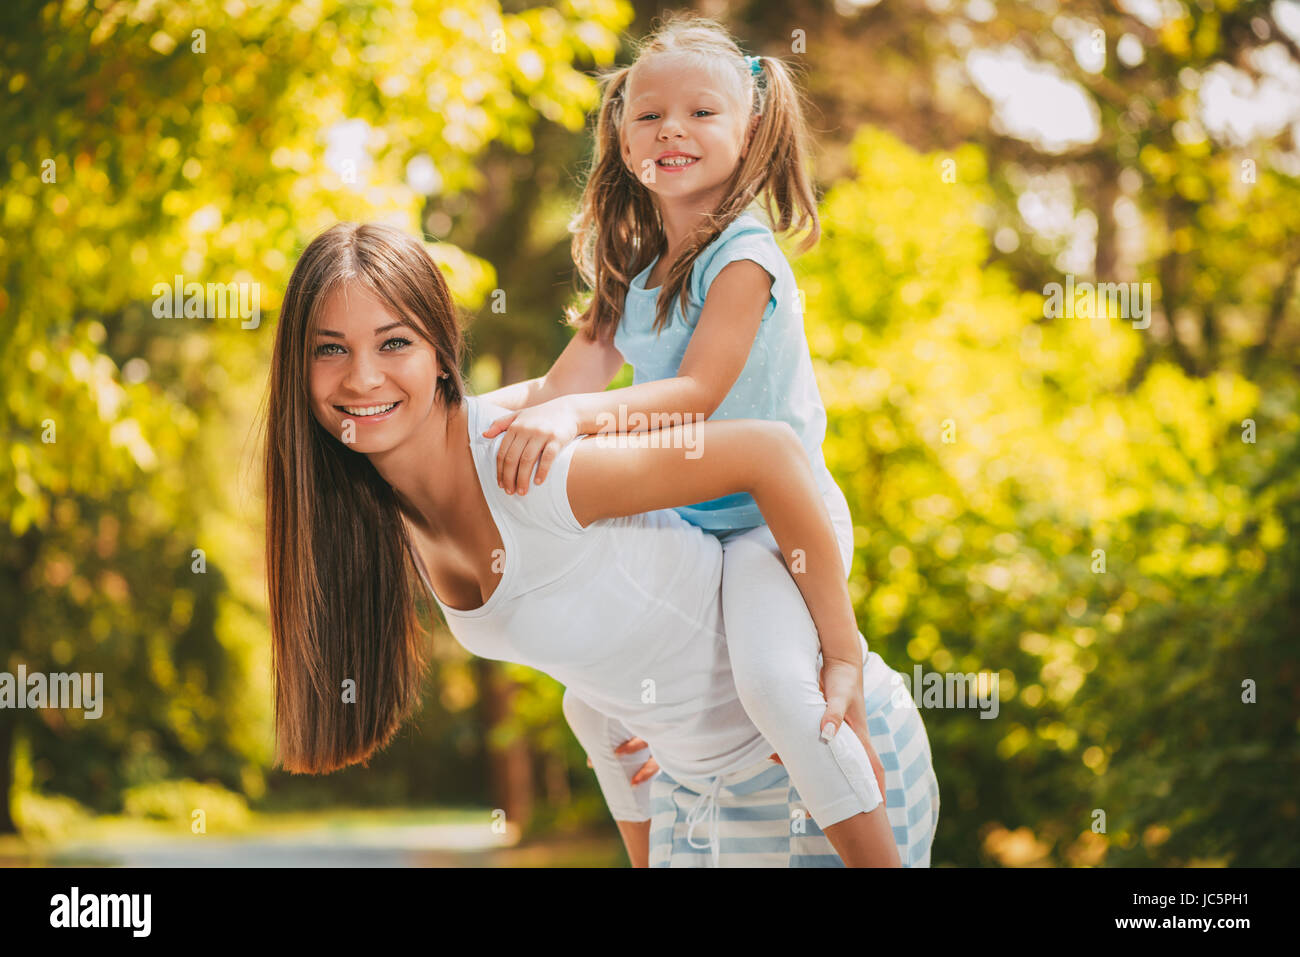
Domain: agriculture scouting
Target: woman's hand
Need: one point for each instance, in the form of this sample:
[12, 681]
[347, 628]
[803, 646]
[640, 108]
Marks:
[533, 436]
[841, 683]
[647, 770]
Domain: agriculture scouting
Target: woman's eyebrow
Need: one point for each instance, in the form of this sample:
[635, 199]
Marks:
[331, 332]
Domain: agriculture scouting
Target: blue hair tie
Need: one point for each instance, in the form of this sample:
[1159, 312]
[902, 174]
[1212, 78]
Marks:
[755, 65]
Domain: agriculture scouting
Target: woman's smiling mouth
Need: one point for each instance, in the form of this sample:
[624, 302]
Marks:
[371, 412]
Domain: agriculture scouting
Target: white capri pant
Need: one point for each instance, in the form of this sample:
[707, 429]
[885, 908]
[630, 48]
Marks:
[776, 661]
[769, 815]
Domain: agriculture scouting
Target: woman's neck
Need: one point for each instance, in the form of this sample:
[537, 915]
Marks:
[430, 471]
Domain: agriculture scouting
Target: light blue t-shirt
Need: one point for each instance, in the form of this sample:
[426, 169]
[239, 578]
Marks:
[777, 381]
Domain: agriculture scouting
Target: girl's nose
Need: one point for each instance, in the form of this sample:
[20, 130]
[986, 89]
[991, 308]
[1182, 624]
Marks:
[670, 129]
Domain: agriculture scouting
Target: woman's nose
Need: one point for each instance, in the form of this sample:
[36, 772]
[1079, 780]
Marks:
[362, 375]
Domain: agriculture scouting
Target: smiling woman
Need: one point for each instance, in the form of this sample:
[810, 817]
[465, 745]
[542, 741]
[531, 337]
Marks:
[338, 557]
[328, 380]
[549, 580]
[364, 371]
[346, 386]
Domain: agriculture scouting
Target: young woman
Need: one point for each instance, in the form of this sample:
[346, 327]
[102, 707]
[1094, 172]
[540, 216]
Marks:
[376, 469]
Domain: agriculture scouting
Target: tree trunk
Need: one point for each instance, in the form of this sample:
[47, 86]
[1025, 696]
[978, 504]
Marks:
[1107, 266]
[510, 771]
[17, 559]
[7, 730]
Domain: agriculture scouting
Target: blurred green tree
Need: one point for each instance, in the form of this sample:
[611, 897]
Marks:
[208, 140]
[1123, 558]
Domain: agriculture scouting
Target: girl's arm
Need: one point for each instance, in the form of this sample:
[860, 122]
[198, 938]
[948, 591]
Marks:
[717, 352]
[583, 366]
[519, 395]
[704, 460]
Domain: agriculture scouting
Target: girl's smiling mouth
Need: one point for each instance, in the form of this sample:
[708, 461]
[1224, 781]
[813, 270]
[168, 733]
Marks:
[675, 161]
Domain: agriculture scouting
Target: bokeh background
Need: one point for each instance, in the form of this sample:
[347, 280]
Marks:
[1106, 516]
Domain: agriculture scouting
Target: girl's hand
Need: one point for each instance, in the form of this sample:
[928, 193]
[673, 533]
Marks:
[841, 683]
[533, 436]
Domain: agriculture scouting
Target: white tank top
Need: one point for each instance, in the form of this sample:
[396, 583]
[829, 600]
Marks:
[627, 613]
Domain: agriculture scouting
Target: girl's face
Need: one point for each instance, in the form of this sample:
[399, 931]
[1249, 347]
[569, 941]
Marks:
[373, 380]
[676, 108]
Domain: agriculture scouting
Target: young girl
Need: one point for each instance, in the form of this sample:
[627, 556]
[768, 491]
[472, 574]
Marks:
[693, 291]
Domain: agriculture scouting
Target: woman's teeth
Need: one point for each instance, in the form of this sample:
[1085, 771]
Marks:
[368, 409]
[678, 161]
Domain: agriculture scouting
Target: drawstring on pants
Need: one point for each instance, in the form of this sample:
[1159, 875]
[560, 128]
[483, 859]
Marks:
[706, 806]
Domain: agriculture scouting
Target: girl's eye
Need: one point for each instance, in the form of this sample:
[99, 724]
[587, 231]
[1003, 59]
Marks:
[650, 116]
[404, 343]
[320, 350]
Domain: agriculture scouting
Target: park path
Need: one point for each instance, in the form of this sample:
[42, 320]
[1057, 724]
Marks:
[434, 845]
[333, 844]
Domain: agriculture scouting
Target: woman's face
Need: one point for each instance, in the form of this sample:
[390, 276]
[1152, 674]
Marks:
[373, 380]
[676, 106]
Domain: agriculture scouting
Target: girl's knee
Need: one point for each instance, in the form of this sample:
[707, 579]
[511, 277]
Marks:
[768, 683]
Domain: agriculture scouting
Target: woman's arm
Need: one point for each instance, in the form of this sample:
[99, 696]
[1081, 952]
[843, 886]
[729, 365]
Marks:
[584, 366]
[636, 838]
[601, 737]
[613, 476]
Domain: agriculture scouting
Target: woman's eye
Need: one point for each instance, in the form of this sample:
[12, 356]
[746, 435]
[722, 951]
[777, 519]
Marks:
[402, 344]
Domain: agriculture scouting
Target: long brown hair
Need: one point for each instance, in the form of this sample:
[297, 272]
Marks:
[617, 230]
[339, 566]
